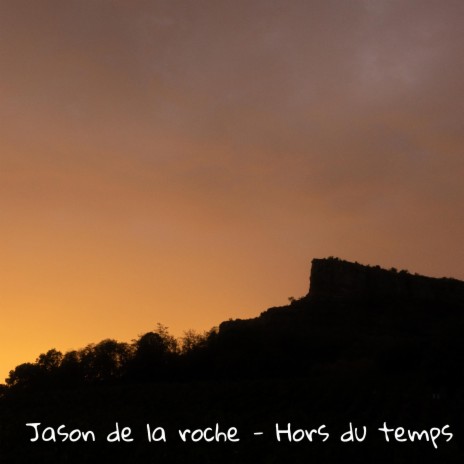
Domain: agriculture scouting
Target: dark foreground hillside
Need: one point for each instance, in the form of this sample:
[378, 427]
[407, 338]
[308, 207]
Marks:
[366, 346]
[250, 406]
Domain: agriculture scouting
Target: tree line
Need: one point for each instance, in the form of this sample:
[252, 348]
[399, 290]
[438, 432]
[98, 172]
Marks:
[153, 356]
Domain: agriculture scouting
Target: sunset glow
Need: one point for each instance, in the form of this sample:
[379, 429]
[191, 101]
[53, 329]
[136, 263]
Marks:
[183, 162]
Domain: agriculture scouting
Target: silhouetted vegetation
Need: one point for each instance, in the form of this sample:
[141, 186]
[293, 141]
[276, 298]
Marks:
[154, 356]
[336, 360]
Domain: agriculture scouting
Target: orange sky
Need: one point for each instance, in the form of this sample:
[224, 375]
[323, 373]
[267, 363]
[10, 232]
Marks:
[182, 162]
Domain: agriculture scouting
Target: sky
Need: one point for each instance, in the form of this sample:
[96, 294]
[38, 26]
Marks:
[182, 162]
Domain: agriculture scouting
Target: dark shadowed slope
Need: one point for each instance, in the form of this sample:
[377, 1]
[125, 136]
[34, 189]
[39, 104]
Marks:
[365, 345]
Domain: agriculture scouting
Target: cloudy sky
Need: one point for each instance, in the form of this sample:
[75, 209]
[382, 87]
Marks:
[183, 161]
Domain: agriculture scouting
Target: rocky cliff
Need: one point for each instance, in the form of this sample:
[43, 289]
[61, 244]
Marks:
[335, 279]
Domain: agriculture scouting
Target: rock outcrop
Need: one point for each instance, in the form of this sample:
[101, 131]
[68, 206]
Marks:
[335, 279]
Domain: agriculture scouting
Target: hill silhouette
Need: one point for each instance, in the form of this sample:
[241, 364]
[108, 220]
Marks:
[365, 344]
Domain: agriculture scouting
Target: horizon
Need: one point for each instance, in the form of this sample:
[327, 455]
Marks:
[182, 163]
[291, 299]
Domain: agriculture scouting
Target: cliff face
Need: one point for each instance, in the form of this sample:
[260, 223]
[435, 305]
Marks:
[335, 279]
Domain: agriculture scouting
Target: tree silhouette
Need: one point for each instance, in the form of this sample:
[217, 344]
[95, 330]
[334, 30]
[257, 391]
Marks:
[154, 355]
[105, 361]
[50, 361]
[25, 375]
